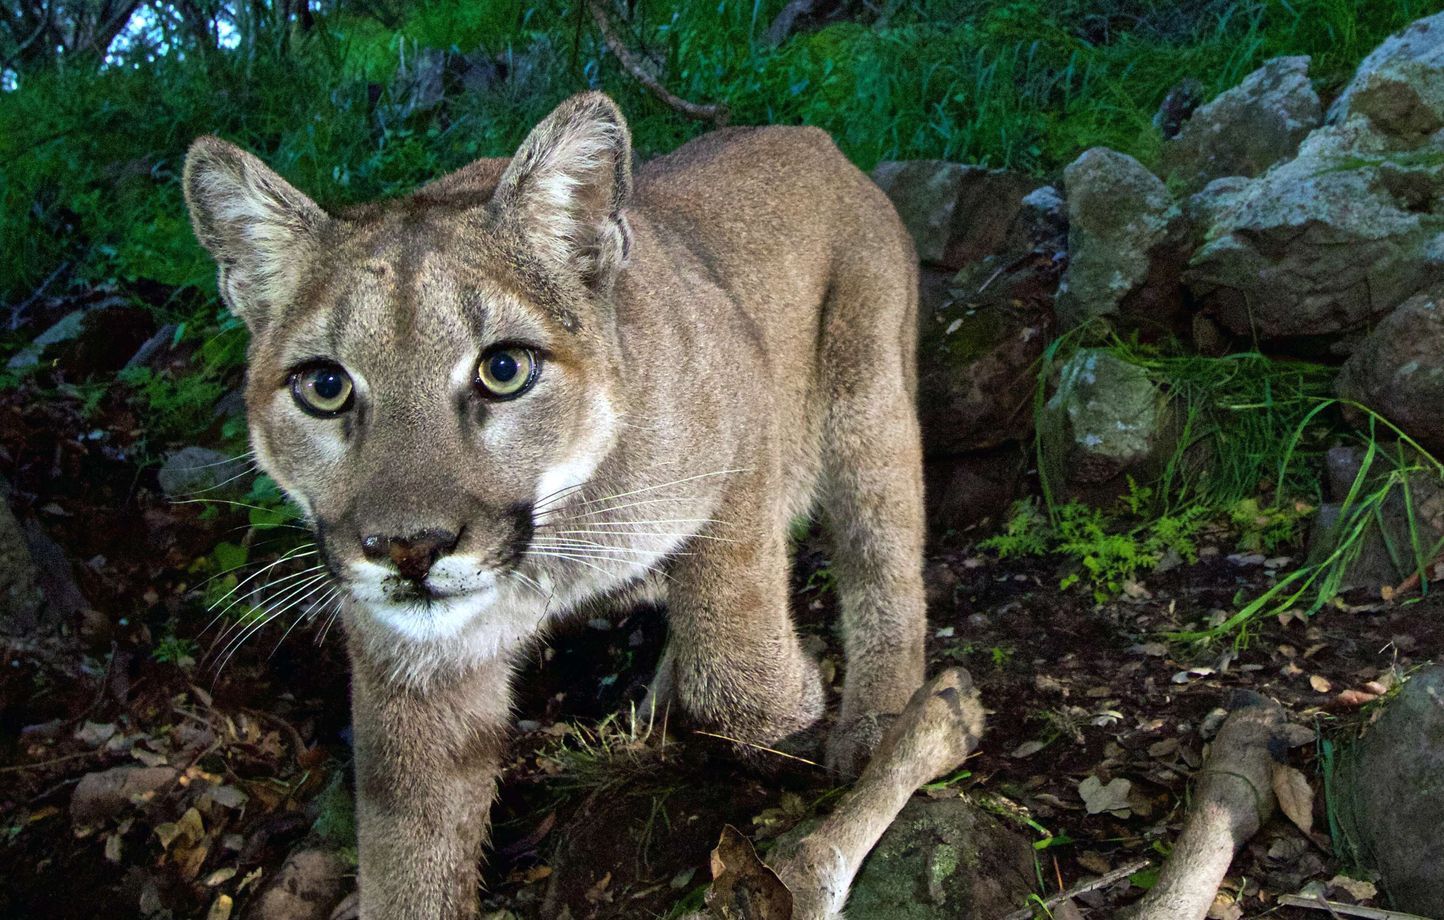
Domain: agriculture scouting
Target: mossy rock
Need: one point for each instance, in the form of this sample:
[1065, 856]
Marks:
[1391, 796]
[942, 859]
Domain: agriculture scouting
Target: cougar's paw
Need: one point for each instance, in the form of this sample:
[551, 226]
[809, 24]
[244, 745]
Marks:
[943, 721]
[851, 744]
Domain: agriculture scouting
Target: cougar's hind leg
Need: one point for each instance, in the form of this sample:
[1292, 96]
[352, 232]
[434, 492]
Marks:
[872, 502]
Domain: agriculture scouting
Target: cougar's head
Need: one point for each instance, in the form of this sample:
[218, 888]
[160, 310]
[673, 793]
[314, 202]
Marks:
[424, 373]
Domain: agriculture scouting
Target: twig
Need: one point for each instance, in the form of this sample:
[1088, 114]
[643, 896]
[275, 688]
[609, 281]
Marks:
[715, 113]
[17, 311]
[1348, 910]
[22, 767]
[1102, 881]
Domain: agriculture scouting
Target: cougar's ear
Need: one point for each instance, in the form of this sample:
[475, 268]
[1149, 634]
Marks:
[261, 231]
[565, 190]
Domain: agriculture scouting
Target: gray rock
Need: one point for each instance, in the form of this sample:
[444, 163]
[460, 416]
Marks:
[1105, 420]
[306, 887]
[1392, 795]
[942, 859]
[1248, 128]
[1398, 369]
[1326, 242]
[1402, 99]
[20, 596]
[1207, 206]
[66, 328]
[1121, 219]
[956, 214]
[969, 490]
[200, 469]
[1422, 42]
[1180, 103]
[925, 193]
[103, 795]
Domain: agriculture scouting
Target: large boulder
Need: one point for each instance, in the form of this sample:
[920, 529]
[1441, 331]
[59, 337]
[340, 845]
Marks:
[974, 489]
[1392, 795]
[1321, 245]
[941, 859]
[1325, 243]
[955, 213]
[1125, 244]
[1398, 369]
[1248, 128]
[1106, 420]
[1421, 43]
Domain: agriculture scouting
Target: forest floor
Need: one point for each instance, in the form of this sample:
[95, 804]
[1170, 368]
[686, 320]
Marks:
[610, 823]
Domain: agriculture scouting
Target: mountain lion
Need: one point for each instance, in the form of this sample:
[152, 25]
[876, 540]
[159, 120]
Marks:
[536, 383]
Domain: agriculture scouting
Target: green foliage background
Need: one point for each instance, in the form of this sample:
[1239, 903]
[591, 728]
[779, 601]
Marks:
[91, 160]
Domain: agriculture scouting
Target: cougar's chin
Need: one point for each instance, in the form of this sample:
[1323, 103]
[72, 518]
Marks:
[453, 595]
[430, 619]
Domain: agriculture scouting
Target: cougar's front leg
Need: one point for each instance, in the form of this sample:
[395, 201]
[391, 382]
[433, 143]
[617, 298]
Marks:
[733, 659]
[427, 761]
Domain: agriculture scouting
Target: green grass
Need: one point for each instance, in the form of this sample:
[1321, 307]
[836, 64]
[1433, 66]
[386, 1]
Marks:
[93, 159]
[1251, 435]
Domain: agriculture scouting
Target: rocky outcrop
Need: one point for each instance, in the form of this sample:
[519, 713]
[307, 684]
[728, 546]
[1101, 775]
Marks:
[1398, 369]
[983, 332]
[979, 351]
[1125, 244]
[104, 795]
[1248, 128]
[1403, 529]
[1397, 770]
[307, 887]
[1335, 238]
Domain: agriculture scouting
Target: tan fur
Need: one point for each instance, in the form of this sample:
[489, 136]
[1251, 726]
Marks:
[726, 345]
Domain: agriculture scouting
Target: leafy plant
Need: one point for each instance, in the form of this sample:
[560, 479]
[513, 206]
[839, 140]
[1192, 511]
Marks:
[172, 649]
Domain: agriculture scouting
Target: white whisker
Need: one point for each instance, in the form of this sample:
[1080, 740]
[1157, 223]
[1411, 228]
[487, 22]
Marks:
[647, 533]
[663, 485]
[309, 588]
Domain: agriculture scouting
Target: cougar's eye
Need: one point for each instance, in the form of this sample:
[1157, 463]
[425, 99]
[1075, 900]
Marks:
[507, 371]
[323, 390]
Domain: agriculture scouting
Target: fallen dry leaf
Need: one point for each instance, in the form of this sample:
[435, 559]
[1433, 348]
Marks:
[1357, 888]
[598, 892]
[1296, 797]
[221, 908]
[1112, 798]
[1320, 683]
[743, 887]
[1027, 749]
[1355, 697]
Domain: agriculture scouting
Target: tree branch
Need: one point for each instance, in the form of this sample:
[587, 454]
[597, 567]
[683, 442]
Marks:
[715, 113]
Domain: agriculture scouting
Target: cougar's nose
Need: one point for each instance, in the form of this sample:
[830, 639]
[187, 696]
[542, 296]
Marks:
[413, 555]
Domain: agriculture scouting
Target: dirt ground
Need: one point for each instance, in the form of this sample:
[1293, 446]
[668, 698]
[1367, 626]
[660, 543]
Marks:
[593, 816]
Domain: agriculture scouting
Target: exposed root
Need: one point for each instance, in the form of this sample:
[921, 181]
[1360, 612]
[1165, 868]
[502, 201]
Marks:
[937, 730]
[1233, 798]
